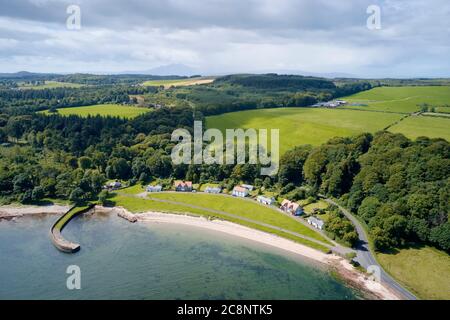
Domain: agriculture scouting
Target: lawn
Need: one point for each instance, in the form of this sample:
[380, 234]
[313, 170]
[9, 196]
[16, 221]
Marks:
[51, 85]
[113, 110]
[321, 204]
[137, 205]
[425, 271]
[61, 223]
[416, 126]
[305, 125]
[243, 208]
[400, 99]
[178, 82]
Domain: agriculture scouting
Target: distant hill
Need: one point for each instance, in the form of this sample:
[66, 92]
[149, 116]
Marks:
[167, 70]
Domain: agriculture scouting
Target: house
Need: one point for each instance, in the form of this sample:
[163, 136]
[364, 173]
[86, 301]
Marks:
[239, 191]
[316, 223]
[183, 186]
[249, 187]
[215, 190]
[157, 188]
[265, 200]
[115, 185]
[291, 207]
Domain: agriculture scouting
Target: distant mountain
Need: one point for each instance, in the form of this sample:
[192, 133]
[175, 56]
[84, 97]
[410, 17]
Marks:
[167, 70]
[25, 75]
[329, 75]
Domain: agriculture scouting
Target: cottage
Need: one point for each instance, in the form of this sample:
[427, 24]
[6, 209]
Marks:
[115, 185]
[157, 188]
[265, 200]
[316, 223]
[214, 190]
[249, 187]
[239, 191]
[183, 186]
[291, 207]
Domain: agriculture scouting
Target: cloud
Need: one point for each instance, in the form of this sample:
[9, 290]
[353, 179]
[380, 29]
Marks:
[219, 36]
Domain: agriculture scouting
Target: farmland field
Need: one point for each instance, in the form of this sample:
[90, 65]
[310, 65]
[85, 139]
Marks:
[400, 99]
[305, 125]
[113, 110]
[424, 270]
[51, 85]
[178, 82]
[416, 126]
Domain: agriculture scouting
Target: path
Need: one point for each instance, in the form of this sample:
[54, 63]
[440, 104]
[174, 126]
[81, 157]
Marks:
[365, 257]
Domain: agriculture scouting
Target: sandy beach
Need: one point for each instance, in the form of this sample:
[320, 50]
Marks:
[10, 212]
[345, 270]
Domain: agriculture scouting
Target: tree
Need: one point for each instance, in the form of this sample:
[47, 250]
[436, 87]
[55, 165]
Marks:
[38, 193]
[3, 136]
[76, 196]
[85, 163]
[103, 197]
[441, 236]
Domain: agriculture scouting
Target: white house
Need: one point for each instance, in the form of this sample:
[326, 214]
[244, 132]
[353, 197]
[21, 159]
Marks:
[265, 200]
[291, 207]
[316, 223]
[239, 191]
[154, 188]
[214, 190]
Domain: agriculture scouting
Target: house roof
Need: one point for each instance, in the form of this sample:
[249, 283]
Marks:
[267, 199]
[180, 183]
[213, 188]
[290, 205]
[240, 189]
[318, 221]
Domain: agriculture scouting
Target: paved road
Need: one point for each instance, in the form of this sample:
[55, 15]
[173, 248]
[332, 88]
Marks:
[365, 256]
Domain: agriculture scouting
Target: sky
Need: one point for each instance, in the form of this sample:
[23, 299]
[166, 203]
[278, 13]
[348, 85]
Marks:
[228, 36]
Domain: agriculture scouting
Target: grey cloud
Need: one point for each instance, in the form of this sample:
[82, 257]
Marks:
[225, 35]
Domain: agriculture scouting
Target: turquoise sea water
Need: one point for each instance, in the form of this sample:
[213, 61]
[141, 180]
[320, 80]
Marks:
[119, 260]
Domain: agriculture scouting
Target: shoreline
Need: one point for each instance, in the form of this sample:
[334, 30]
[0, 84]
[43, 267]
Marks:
[10, 212]
[340, 266]
[344, 270]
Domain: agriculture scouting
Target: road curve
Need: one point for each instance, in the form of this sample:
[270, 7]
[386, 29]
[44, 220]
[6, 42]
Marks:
[366, 258]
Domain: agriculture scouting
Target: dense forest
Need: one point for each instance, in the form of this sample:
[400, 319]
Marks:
[399, 188]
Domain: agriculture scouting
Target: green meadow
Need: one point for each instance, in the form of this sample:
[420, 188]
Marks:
[305, 125]
[51, 85]
[424, 270]
[104, 110]
[178, 82]
[400, 99]
[428, 126]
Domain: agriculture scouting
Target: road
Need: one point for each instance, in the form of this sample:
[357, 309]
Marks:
[366, 258]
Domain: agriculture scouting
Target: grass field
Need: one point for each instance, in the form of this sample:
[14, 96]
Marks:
[137, 205]
[113, 110]
[425, 271]
[51, 85]
[416, 126]
[305, 125]
[178, 82]
[400, 99]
